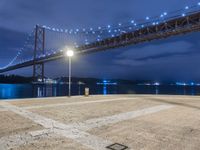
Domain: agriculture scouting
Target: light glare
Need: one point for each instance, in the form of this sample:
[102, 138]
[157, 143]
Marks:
[69, 53]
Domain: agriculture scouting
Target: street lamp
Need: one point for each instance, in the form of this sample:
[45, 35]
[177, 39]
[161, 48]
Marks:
[69, 54]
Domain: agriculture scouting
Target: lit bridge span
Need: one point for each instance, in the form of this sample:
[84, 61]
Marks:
[104, 38]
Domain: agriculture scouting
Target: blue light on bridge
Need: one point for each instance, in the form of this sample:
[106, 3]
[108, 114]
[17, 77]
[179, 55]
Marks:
[183, 15]
[147, 18]
[109, 30]
[187, 7]
[165, 13]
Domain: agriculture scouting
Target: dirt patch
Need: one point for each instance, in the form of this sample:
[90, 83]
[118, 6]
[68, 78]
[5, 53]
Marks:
[12, 124]
[71, 114]
[53, 144]
[56, 100]
[176, 128]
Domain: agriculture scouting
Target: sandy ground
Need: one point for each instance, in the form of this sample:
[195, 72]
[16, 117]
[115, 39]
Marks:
[98, 121]
[168, 130]
[71, 114]
[11, 124]
[56, 143]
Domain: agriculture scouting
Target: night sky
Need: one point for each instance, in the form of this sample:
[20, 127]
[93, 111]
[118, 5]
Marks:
[172, 59]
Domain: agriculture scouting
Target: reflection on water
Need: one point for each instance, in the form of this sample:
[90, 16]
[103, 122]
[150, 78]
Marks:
[104, 89]
[9, 91]
[157, 90]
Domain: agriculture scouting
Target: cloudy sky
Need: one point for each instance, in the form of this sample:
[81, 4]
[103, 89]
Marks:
[172, 59]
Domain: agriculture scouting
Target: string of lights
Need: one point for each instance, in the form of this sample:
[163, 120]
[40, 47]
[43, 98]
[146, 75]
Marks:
[130, 25]
[19, 52]
[92, 34]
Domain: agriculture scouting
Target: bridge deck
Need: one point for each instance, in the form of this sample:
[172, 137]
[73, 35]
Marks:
[85, 123]
[172, 27]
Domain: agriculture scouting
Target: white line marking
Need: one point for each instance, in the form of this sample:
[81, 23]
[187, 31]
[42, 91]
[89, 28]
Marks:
[68, 131]
[93, 123]
[75, 130]
[76, 103]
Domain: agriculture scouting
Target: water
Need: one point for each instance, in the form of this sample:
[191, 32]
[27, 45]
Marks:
[11, 91]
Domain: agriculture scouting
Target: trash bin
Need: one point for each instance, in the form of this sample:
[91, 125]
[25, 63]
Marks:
[87, 90]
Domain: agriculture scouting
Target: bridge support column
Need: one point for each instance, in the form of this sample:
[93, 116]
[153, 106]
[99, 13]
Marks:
[38, 68]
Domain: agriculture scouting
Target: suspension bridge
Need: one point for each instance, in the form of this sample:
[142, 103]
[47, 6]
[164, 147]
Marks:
[46, 44]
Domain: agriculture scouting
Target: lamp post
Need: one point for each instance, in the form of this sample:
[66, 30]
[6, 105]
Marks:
[69, 54]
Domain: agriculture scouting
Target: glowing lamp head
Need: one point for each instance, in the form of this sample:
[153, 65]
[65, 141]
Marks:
[69, 53]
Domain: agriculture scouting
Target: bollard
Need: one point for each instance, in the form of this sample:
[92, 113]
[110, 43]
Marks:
[87, 91]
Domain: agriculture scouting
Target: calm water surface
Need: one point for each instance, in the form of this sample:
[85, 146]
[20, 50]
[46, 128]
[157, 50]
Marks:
[11, 91]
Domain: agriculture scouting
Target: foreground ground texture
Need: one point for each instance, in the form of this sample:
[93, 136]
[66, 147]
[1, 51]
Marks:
[94, 123]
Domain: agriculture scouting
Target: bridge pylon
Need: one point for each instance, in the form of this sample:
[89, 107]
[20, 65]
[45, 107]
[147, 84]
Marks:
[39, 49]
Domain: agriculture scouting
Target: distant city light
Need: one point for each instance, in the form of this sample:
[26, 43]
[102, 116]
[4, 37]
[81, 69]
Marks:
[187, 84]
[106, 82]
[156, 84]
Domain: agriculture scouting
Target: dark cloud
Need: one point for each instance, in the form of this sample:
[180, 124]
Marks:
[172, 59]
[10, 42]
[153, 52]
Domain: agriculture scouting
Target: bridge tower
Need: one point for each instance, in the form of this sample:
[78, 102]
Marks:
[39, 46]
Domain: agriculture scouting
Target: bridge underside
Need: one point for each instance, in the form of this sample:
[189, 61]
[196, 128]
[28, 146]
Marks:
[175, 26]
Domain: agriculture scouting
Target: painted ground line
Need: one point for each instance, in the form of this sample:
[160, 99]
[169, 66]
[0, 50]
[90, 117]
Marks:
[3, 109]
[93, 123]
[75, 103]
[10, 142]
[67, 131]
